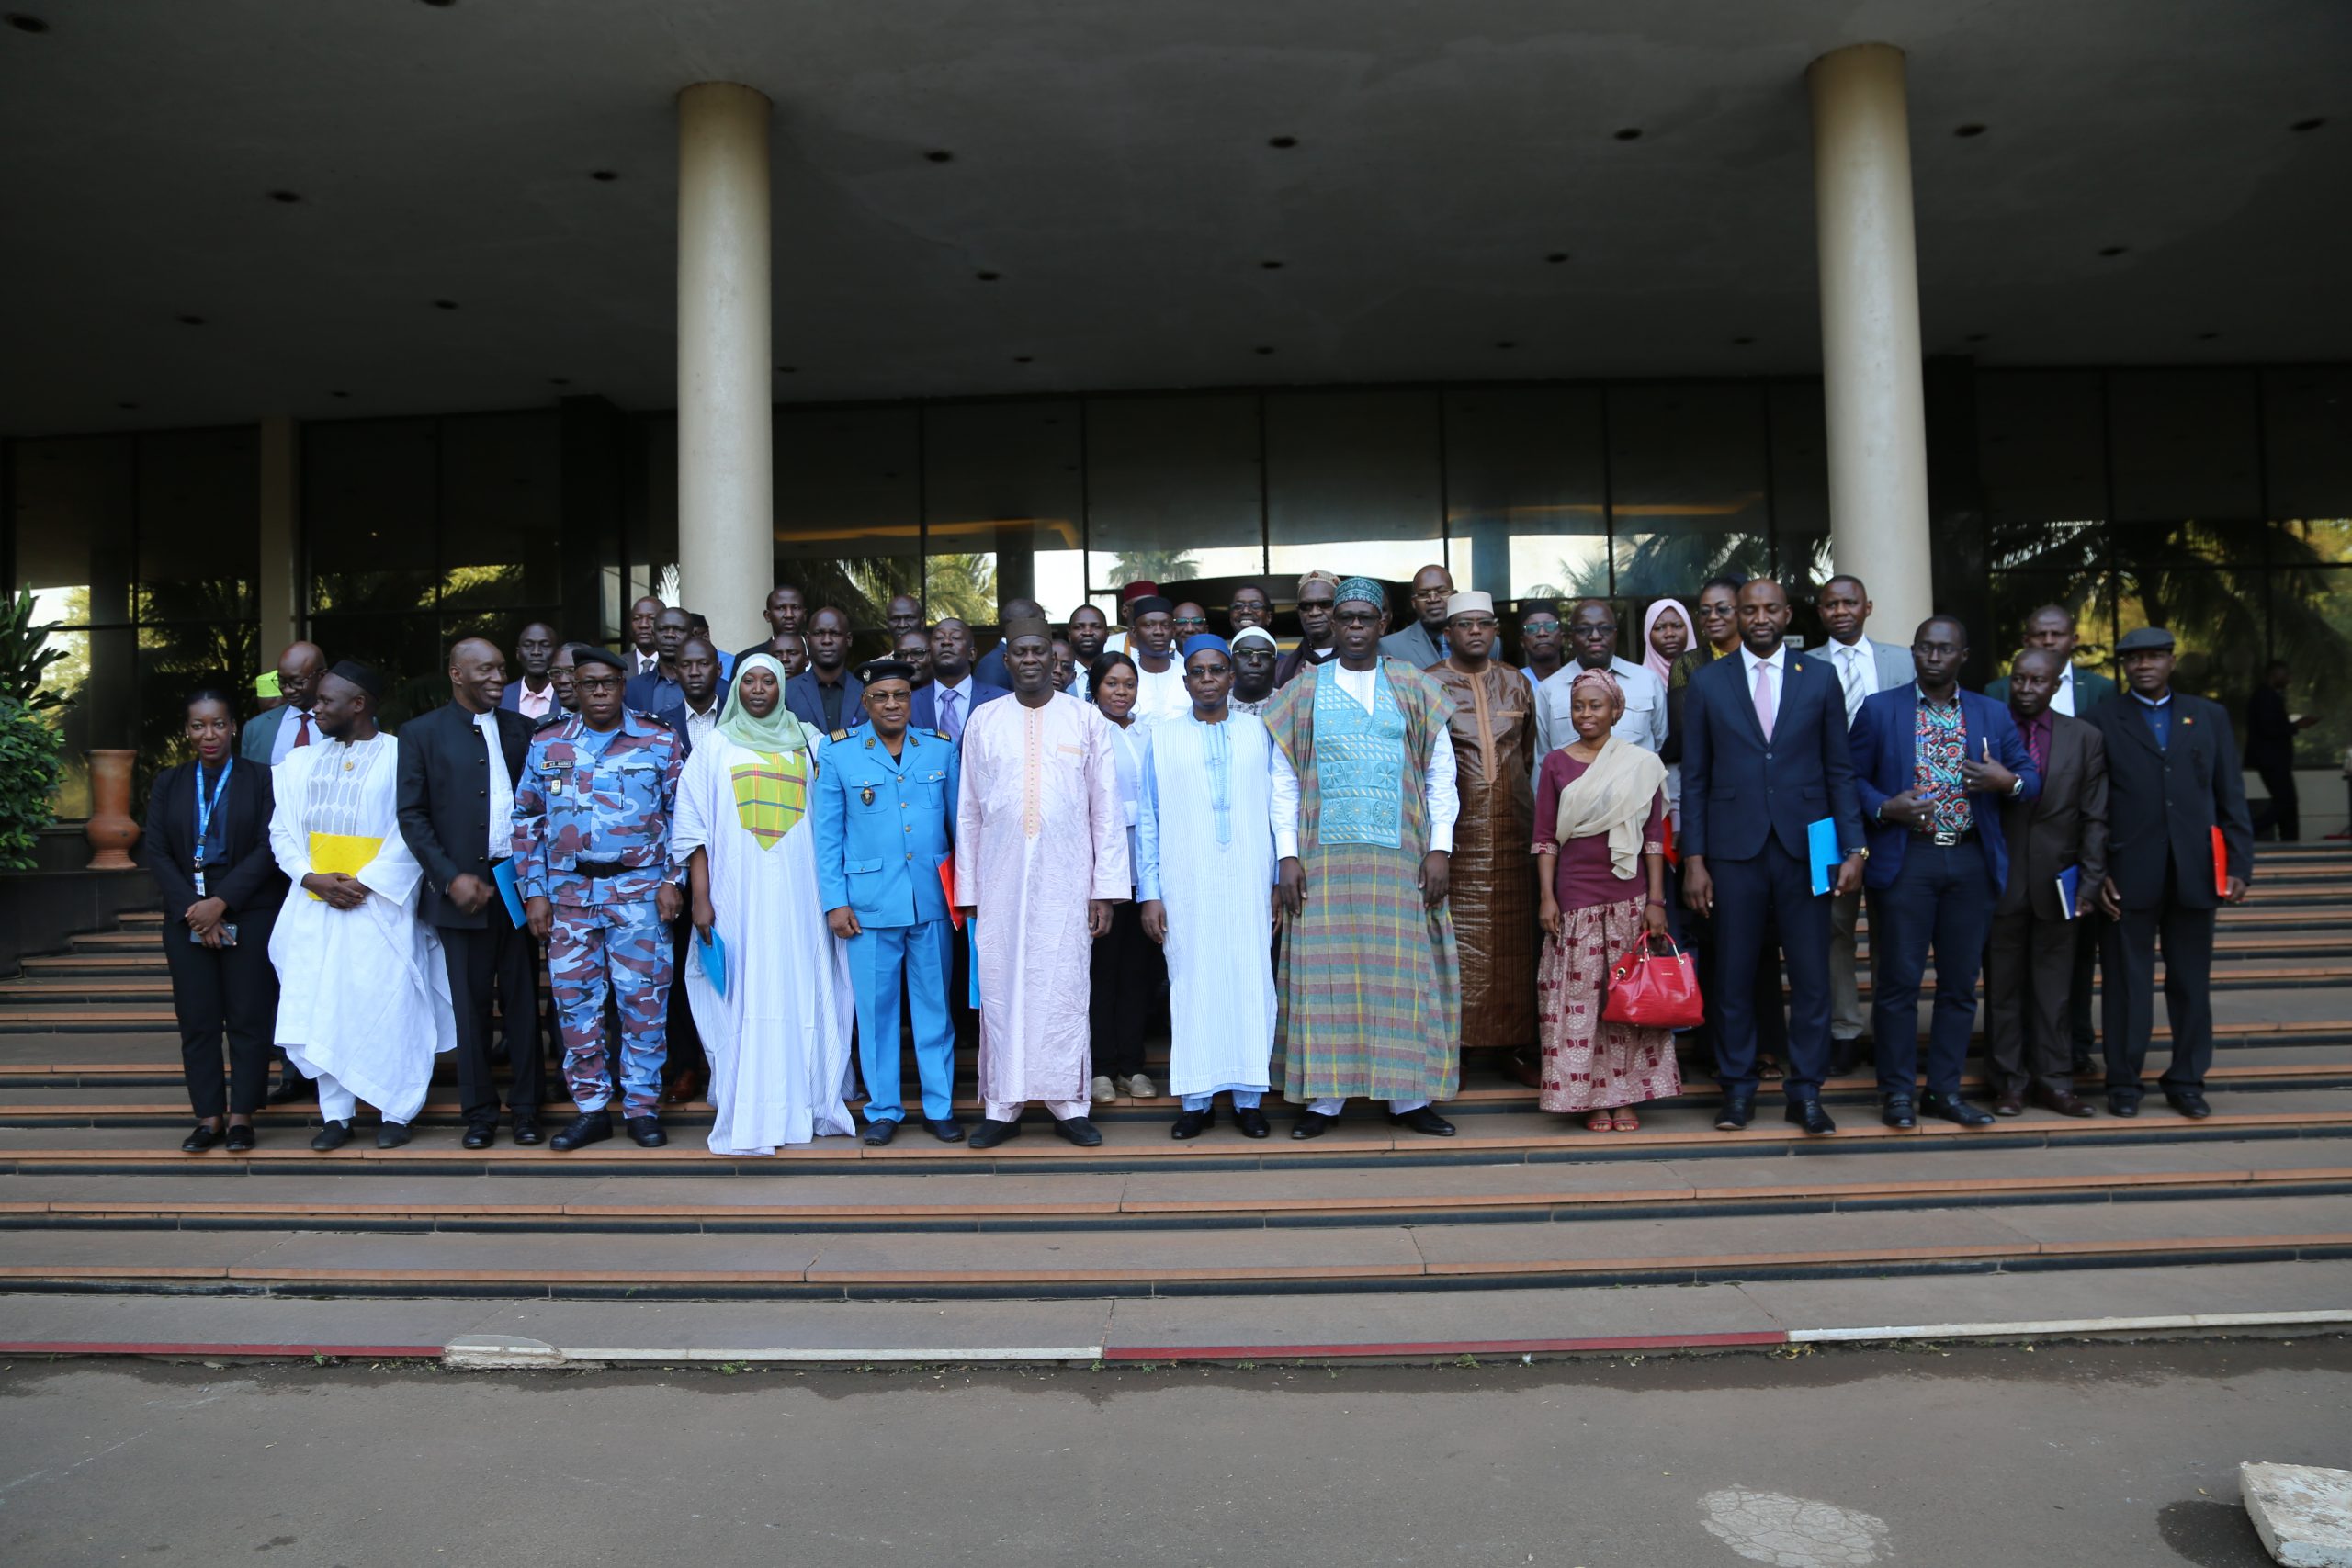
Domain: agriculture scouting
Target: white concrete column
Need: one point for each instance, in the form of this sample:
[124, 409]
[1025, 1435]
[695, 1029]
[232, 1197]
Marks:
[1870, 331]
[279, 589]
[726, 447]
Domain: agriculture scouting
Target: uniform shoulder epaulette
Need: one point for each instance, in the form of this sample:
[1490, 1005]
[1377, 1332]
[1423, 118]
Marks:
[839, 735]
[944, 735]
[547, 724]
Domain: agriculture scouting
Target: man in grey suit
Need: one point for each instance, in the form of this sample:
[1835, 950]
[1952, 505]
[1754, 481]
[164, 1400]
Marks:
[1863, 668]
[2032, 975]
[1422, 644]
[273, 734]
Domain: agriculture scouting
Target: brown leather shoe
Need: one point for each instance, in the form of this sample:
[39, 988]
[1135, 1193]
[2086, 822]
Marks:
[2063, 1104]
[2008, 1103]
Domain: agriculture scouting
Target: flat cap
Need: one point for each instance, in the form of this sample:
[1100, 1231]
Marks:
[2145, 640]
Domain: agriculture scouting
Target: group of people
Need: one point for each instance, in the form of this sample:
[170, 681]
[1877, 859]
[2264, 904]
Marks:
[1336, 867]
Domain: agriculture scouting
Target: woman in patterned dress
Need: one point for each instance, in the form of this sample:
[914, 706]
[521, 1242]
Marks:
[1600, 871]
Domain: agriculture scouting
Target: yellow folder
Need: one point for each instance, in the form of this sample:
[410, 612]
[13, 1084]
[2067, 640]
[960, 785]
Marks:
[345, 852]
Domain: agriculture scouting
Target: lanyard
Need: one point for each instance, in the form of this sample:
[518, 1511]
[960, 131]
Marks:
[204, 810]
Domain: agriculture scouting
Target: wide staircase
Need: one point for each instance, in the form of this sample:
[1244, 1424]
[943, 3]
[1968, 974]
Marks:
[95, 1197]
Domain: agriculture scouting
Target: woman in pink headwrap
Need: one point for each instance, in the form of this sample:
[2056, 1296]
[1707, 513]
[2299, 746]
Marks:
[1666, 632]
[1600, 873]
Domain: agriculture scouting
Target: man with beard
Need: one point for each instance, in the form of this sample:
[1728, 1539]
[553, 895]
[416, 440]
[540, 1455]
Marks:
[1251, 607]
[1315, 591]
[1422, 644]
[1254, 657]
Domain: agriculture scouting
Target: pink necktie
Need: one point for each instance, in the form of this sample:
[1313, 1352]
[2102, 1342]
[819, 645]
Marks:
[1764, 698]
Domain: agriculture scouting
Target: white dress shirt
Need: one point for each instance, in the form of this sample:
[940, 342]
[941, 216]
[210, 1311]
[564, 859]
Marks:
[2063, 699]
[1438, 791]
[501, 789]
[1857, 666]
[963, 704]
[288, 729]
[1748, 665]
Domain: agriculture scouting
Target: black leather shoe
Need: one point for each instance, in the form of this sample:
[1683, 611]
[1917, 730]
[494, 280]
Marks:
[1811, 1116]
[1312, 1125]
[526, 1131]
[392, 1134]
[1424, 1120]
[1737, 1111]
[588, 1127]
[332, 1136]
[480, 1135]
[240, 1139]
[1953, 1108]
[1252, 1122]
[2121, 1103]
[292, 1086]
[879, 1133]
[947, 1131]
[646, 1131]
[991, 1133]
[2189, 1102]
[1896, 1112]
[1192, 1123]
[1079, 1131]
[199, 1138]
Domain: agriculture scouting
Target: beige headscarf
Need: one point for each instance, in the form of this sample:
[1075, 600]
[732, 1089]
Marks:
[1613, 796]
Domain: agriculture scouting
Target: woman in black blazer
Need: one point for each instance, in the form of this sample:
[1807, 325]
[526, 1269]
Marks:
[221, 889]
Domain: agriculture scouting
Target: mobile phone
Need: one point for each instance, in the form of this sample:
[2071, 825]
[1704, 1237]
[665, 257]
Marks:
[228, 936]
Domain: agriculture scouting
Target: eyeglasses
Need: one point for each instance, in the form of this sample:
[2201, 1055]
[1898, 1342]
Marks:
[1192, 620]
[1475, 622]
[597, 683]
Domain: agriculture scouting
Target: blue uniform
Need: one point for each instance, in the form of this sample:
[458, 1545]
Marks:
[884, 826]
[592, 836]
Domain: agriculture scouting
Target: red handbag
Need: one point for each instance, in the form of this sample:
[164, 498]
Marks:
[1654, 990]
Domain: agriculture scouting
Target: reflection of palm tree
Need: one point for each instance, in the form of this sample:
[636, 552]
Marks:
[963, 586]
[1154, 566]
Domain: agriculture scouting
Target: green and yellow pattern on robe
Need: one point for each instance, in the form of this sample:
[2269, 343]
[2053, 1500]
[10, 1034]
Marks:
[771, 795]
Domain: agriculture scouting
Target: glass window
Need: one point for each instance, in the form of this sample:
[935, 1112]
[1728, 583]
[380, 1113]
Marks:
[849, 510]
[2307, 425]
[2017, 595]
[72, 520]
[1353, 483]
[1802, 556]
[370, 504]
[1526, 492]
[1004, 493]
[2218, 618]
[1174, 490]
[406, 649]
[2310, 628]
[502, 508]
[2042, 454]
[1687, 478]
[199, 542]
[2187, 465]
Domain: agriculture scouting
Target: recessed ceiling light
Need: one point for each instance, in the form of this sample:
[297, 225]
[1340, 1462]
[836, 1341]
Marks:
[1977, 337]
[1556, 257]
[788, 370]
[558, 380]
[2113, 250]
[1283, 141]
[191, 321]
[2312, 124]
[1505, 343]
[603, 176]
[2207, 337]
[987, 277]
[288, 196]
[440, 5]
[1272, 265]
[125, 405]
[939, 156]
[1742, 342]
[1972, 128]
[1264, 348]
[338, 394]
[1631, 133]
[25, 24]
[1022, 358]
[445, 304]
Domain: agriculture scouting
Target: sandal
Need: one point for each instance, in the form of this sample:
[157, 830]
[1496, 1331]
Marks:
[1625, 1121]
[1598, 1121]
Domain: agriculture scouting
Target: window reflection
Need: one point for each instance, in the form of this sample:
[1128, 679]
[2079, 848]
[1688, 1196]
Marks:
[849, 508]
[1688, 485]
[1527, 513]
[1352, 483]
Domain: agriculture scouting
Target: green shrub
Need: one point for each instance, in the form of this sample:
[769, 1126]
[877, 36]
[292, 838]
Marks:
[26, 655]
[31, 752]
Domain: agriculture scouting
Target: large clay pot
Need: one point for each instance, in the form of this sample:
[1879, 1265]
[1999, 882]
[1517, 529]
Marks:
[111, 832]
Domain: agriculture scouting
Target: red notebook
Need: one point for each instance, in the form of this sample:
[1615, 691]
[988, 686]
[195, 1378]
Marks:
[2221, 866]
[947, 885]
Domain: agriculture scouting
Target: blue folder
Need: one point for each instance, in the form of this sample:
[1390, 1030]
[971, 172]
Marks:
[1821, 846]
[503, 873]
[972, 935]
[2070, 888]
[711, 953]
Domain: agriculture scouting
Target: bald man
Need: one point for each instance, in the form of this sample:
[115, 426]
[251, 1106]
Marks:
[1422, 644]
[291, 723]
[458, 768]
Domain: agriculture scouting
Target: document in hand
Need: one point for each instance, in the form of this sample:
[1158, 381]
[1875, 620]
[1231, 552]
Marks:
[711, 953]
[503, 873]
[2070, 888]
[1821, 847]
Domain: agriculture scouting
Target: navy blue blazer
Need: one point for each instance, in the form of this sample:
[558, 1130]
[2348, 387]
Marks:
[924, 715]
[1739, 790]
[1886, 763]
[802, 700]
[652, 690]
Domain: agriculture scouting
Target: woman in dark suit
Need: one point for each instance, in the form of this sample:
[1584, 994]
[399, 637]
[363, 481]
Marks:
[208, 844]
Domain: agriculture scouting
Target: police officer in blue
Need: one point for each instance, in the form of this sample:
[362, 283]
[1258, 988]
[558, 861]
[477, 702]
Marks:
[885, 809]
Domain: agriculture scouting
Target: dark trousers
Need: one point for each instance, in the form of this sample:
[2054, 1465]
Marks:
[2128, 950]
[495, 960]
[1753, 898]
[1696, 933]
[2029, 995]
[2283, 810]
[2078, 1004]
[1127, 972]
[1941, 901]
[231, 991]
[686, 1053]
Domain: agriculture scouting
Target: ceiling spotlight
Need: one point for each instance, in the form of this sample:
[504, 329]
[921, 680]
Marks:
[1631, 133]
[1977, 337]
[2207, 337]
[440, 5]
[1742, 342]
[338, 394]
[2113, 250]
[1505, 343]
[939, 156]
[125, 405]
[603, 176]
[1264, 348]
[788, 370]
[1285, 142]
[288, 196]
[191, 321]
[1022, 358]
[1556, 257]
[2313, 124]
[25, 24]
[445, 304]
[1971, 128]
[558, 380]
[1272, 265]
[987, 277]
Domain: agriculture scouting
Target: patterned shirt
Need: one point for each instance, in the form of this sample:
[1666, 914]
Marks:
[1939, 740]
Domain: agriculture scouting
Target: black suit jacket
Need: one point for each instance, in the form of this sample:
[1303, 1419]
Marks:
[249, 880]
[445, 801]
[1739, 789]
[2064, 825]
[2162, 807]
[2269, 733]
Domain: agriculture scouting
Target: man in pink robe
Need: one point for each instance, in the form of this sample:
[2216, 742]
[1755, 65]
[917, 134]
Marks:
[1041, 855]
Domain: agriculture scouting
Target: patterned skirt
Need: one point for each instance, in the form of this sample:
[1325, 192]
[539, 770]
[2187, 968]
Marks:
[1589, 1064]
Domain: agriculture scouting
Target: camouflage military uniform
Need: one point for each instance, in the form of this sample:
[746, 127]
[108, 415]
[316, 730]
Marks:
[592, 835]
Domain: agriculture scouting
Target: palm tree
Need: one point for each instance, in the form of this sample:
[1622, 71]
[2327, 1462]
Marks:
[1154, 566]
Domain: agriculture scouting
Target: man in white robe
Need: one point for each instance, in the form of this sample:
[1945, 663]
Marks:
[778, 1034]
[1205, 876]
[363, 995]
[1041, 855]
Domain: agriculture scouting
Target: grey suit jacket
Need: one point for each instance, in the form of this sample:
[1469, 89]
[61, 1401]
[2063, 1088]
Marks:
[257, 739]
[1414, 645]
[2065, 825]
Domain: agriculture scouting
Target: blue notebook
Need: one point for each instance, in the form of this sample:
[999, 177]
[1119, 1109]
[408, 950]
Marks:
[2070, 889]
[1821, 846]
[503, 873]
[711, 953]
[972, 935]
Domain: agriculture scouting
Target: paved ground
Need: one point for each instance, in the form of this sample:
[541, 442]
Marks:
[2086, 1455]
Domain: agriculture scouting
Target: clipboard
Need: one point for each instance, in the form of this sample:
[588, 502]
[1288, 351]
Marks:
[503, 873]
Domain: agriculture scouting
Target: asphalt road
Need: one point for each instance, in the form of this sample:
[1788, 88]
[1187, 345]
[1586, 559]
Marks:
[2082, 1455]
